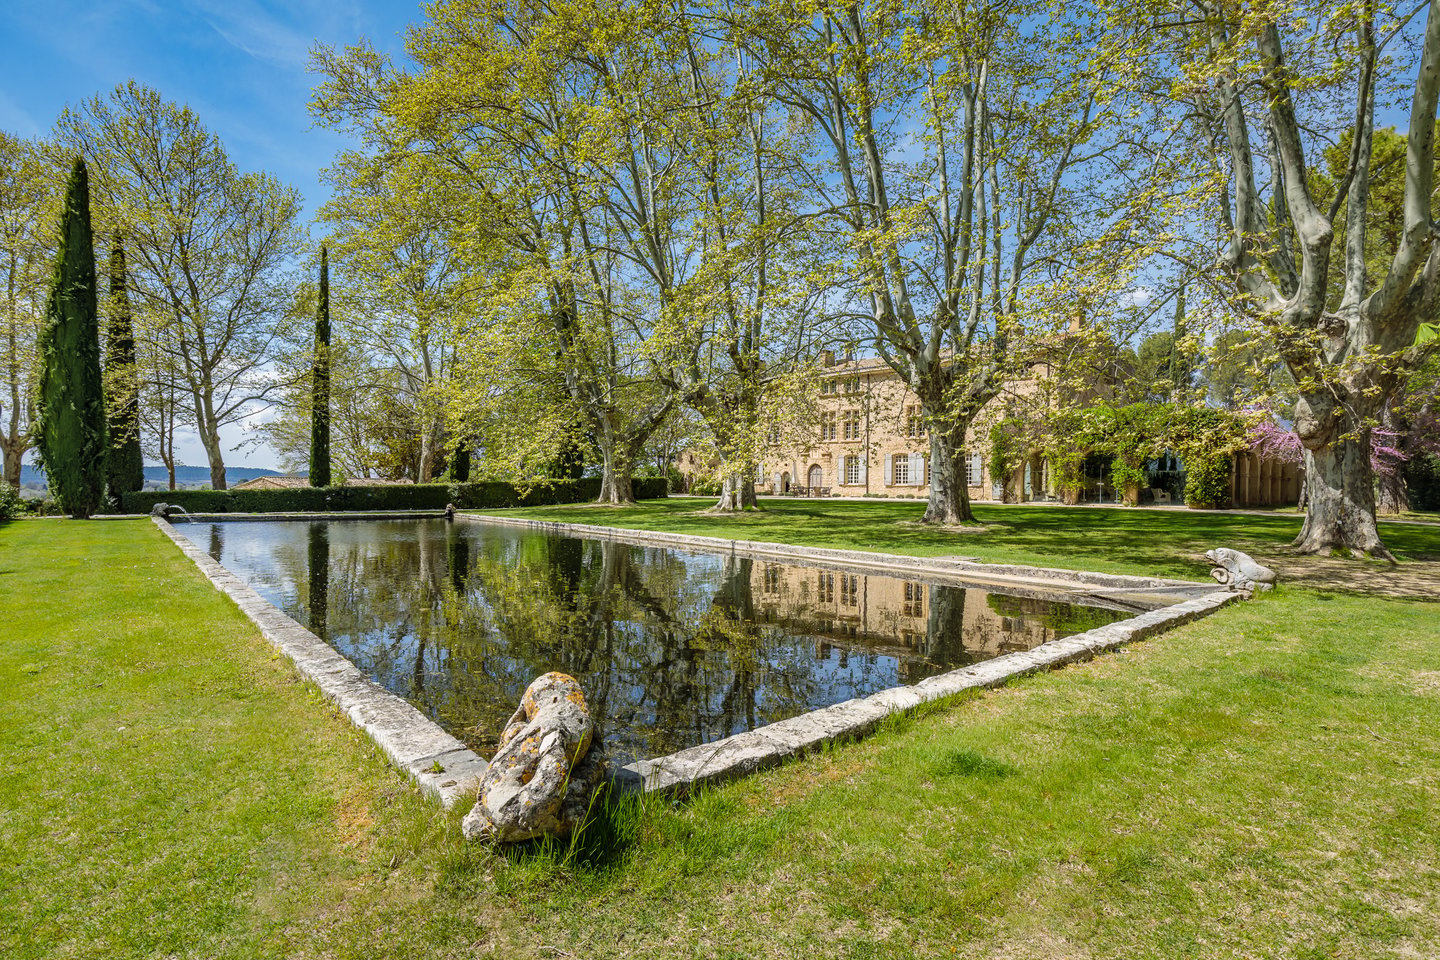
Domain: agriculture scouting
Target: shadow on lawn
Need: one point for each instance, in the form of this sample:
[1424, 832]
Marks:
[1154, 542]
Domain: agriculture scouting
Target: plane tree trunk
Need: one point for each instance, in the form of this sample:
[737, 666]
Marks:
[1349, 357]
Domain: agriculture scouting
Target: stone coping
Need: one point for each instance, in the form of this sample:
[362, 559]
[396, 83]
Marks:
[1111, 590]
[443, 766]
[448, 770]
[744, 753]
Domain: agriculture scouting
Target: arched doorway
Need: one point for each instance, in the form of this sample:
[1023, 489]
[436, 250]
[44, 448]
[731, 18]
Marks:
[785, 482]
[817, 476]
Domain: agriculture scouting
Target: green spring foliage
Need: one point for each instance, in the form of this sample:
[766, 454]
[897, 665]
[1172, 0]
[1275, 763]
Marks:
[125, 467]
[11, 506]
[1207, 483]
[72, 437]
[320, 384]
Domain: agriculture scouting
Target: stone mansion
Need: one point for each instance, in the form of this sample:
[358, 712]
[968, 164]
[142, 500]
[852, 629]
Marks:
[870, 440]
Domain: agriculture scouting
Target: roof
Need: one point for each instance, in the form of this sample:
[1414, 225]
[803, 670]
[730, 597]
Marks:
[273, 483]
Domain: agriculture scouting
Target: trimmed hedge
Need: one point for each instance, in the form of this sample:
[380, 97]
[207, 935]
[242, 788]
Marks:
[418, 496]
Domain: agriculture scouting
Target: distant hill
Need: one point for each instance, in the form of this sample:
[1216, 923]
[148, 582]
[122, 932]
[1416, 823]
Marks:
[157, 478]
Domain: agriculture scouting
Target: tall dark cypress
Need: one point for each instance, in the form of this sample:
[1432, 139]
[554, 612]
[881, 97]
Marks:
[460, 463]
[125, 469]
[71, 414]
[320, 385]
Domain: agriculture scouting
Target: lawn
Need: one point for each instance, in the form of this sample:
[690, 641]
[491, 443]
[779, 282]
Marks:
[1140, 541]
[1260, 783]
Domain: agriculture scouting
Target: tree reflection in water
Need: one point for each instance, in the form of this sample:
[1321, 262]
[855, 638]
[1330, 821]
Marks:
[673, 648]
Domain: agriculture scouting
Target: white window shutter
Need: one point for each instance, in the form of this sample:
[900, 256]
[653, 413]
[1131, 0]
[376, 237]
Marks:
[917, 470]
[975, 470]
[889, 463]
[863, 473]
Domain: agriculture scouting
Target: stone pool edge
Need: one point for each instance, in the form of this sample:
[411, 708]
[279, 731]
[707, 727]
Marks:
[413, 742]
[754, 750]
[1084, 585]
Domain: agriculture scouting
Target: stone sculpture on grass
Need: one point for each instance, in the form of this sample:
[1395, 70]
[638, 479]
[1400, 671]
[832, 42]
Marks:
[544, 772]
[1239, 571]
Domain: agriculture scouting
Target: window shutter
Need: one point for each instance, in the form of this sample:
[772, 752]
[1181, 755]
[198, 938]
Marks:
[917, 470]
[888, 465]
[863, 473]
[974, 479]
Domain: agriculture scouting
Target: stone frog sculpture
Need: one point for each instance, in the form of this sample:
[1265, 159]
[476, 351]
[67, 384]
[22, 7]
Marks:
[1239, 571]
[542, 775]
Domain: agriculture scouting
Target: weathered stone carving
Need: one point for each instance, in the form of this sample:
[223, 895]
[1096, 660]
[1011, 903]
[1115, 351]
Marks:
[1239, 571]
[161, 510]
[540, 781]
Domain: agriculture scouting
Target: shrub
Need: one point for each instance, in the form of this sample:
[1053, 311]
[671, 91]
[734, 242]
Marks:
[10, 503]
[1207, 483]
[419, 496]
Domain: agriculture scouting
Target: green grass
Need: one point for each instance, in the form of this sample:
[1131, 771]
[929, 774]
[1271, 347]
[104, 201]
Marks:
[1139, 541]
[1260, 783]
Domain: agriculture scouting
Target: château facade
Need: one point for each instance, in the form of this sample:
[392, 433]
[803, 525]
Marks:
[869, 439]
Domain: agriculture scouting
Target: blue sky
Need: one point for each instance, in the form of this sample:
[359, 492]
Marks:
[240, 64]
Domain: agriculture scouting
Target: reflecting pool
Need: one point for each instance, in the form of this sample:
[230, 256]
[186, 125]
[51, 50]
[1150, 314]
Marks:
[673, 647]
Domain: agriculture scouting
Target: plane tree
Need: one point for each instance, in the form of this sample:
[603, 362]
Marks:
[957, 148]
[1260, 92]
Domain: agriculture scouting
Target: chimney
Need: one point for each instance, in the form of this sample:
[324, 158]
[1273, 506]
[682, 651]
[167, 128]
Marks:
[827, 358]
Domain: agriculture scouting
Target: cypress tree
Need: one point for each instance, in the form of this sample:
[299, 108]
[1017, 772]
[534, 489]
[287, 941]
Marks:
[71, 414]
[124, 471]
[320, 385]
[460, 463]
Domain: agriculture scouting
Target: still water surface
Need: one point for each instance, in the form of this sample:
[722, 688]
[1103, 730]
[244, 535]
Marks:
[672, 647]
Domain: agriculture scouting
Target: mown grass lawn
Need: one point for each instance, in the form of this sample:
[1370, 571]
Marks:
[1261, 783]
[1112, 540]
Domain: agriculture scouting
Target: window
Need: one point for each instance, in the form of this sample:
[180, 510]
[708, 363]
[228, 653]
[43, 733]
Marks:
[828, 386]
[854, 470]
[772, 578]
[914, 422]
[973, 470]
[900, 470]
[850, 425]
[827, 426]
[906, 470]
[826, 591]
[849, 590]
[914, 599]
[852, 385]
